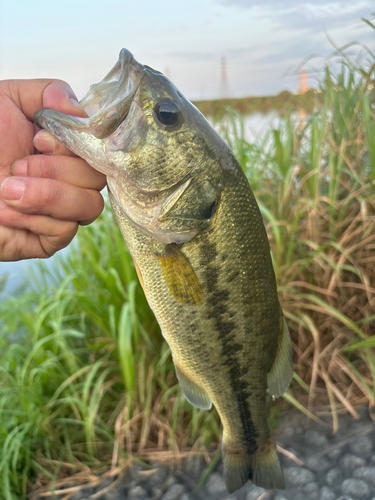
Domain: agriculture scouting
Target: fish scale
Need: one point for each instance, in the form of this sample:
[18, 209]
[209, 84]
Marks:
[196, 235]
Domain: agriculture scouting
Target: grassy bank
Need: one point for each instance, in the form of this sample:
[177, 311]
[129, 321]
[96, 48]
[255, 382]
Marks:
[86, 378]
[283, 103]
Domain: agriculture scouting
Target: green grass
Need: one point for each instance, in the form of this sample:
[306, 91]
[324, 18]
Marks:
[86, 378]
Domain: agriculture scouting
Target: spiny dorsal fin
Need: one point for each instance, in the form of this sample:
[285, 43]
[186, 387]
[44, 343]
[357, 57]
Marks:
[281, 373]
[194, 394]
[180, 277]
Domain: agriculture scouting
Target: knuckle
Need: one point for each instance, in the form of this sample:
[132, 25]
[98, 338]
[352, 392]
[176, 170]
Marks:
[66, 233]
[50, 194]
[98, 203]
[41, 166]
[64, 236]
[95, 208]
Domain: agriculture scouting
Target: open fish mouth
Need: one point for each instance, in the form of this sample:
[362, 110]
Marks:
[107, 103]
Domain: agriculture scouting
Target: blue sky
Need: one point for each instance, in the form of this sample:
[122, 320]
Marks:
[79, 40]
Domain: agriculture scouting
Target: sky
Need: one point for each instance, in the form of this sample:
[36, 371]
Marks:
[263, 41]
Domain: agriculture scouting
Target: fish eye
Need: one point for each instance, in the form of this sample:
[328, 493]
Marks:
[168, 113]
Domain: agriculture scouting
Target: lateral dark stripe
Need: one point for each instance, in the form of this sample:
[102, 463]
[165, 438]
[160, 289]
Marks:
[218, 305]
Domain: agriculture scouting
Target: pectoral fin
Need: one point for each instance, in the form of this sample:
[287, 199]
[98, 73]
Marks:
[180, 277]
[281, 373]
[194, 394]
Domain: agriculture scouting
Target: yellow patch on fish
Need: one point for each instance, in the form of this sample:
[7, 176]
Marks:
[180, 277]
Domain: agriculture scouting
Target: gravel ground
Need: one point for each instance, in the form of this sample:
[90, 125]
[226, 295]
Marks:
[339, 467]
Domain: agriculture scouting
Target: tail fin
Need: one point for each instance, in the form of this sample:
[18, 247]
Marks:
[263, 468]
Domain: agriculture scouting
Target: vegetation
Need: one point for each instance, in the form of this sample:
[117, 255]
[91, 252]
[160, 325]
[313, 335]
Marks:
[285, 102]
[86, 378]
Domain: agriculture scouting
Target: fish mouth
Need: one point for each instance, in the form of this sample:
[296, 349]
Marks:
[108, 102]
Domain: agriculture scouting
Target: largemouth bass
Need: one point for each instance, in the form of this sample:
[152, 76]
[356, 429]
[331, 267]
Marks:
[196, 235]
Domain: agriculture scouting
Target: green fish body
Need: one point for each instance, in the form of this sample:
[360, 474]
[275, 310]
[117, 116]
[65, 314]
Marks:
[196, 235]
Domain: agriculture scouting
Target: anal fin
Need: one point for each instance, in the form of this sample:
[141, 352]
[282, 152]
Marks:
[194, 394]
[281, 373]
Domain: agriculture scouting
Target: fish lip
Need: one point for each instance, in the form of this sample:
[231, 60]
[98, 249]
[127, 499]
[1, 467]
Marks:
[108, 102]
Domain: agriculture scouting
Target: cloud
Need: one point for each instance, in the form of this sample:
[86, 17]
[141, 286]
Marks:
[329, 16]
[297, 15]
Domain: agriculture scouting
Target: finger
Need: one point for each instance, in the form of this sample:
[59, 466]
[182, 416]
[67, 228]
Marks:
[31, 95]
[32, 236]
[62, 168]
[50, 197]
[48, 144]
[59, 96]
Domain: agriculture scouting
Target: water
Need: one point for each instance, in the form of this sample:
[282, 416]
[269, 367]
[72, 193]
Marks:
[258, 124]
[18, 271]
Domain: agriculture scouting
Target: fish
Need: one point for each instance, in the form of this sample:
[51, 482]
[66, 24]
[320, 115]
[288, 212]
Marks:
[200, 249]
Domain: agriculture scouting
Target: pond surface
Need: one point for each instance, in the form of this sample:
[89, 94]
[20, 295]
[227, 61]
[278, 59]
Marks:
[24, 269]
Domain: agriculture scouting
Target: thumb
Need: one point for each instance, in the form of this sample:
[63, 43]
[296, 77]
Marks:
[59, 96]
[31, 95]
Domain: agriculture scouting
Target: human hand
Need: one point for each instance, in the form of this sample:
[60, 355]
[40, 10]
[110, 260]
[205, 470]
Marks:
[43, 197]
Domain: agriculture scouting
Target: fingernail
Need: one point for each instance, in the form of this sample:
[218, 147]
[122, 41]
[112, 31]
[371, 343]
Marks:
[75, 103]
[12, 189]
[44, 142]
[19, 168]
[2, 204]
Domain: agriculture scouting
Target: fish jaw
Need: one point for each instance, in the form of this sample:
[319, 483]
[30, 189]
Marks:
[108, 102]
[101, 138]
[76, 135]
